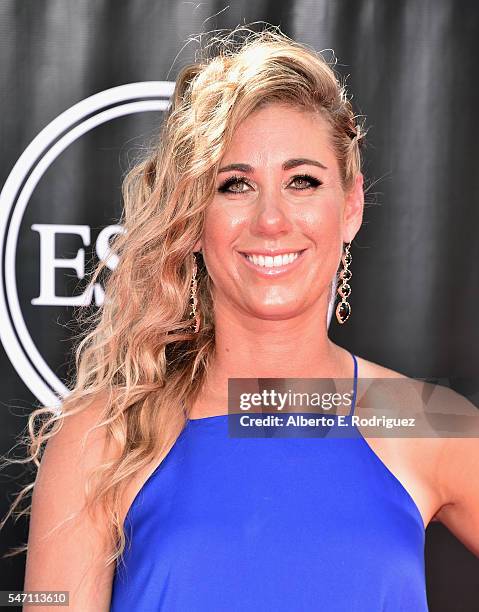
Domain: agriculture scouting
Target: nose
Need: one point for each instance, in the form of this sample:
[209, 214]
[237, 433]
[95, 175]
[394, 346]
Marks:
[271, 215]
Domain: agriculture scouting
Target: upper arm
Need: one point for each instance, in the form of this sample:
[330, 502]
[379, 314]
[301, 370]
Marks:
[67, 558]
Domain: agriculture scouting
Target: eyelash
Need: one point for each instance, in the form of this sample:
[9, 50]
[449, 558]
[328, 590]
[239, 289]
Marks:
[223, 188]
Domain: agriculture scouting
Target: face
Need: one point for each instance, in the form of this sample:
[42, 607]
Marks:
[279, 200]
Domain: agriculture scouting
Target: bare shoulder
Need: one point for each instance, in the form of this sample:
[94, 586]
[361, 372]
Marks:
[458, 467]
[63, 553]
[440, 471]
[370, 369]
[412, 460]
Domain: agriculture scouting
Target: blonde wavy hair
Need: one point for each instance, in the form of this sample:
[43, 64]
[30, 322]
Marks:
[139, 353]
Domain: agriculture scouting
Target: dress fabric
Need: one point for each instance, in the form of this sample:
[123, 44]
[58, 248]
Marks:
[256, 524]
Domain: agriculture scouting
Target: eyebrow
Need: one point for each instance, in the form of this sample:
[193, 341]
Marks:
[287, 165]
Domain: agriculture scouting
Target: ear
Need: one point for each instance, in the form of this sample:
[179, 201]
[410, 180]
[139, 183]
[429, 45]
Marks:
[353, 209]
[198, 246]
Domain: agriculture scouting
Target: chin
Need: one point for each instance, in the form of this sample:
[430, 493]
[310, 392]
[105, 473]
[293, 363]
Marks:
[275, 312]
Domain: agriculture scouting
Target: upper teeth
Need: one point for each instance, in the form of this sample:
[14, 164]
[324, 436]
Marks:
[268, 261]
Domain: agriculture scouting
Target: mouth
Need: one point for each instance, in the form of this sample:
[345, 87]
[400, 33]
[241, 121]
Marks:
[269, 265]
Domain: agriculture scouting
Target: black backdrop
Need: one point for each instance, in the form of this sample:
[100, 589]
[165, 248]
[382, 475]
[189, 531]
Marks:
[412, 68]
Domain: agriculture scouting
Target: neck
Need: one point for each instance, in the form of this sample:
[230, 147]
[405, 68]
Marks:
[250, 347]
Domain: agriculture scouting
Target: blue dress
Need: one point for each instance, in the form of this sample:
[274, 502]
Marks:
[231, 524]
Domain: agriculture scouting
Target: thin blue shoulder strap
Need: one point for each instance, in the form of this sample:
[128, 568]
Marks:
[355, 385]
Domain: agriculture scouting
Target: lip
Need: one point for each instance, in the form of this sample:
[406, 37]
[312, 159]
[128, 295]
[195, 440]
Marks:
[275, 271]
[271, 252]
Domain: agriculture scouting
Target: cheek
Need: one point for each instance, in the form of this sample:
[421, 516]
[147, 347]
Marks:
[223, 224]
[218, 236]
[215, 232]
[321, 220]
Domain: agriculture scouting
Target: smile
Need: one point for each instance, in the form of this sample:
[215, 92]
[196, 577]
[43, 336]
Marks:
[273, 265]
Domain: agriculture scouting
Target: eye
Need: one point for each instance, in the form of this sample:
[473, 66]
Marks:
[232, 181]
[305, 179]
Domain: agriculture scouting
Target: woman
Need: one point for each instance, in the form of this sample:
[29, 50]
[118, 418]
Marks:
[236, 226]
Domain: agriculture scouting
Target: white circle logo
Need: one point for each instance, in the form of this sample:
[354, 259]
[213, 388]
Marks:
[16, 193]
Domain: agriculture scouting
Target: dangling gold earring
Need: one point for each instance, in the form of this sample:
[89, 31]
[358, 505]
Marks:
[193, 298]
[343, 309]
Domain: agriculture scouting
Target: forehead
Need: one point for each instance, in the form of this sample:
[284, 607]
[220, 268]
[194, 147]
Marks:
[276, 132]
